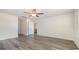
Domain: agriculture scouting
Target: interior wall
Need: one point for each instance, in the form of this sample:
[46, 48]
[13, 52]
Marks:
[8, 26]
[19, 26]
[60, 26]
[23, 26]
[76, 27]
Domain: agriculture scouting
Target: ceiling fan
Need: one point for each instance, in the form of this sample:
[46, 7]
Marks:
[34, 13]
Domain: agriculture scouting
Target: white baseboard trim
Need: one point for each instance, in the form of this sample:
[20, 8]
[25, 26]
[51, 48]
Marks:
[57, 37]
[8, 37]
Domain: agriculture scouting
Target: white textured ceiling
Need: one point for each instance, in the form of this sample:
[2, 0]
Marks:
[20, 12]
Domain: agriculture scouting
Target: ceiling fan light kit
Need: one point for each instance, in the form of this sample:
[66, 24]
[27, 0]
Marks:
[34, 13]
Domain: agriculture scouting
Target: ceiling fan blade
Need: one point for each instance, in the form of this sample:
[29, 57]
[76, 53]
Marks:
[27, 12]
[30, 15]
[37, 16]
[40, 13]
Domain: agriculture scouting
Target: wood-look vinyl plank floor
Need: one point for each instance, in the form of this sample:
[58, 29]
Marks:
[37, 43]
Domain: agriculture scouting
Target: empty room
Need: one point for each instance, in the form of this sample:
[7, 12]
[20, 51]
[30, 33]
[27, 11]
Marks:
[39, 29]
